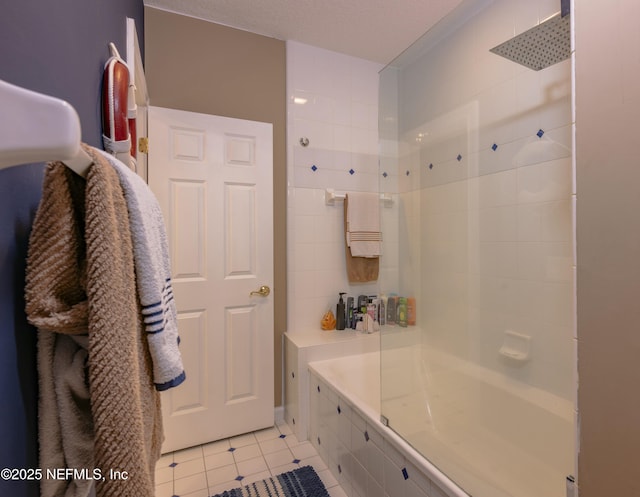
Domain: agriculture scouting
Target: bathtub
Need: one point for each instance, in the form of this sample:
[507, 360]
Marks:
[532, 431]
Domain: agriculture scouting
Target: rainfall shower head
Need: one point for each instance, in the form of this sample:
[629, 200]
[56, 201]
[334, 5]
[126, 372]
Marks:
[541, 46]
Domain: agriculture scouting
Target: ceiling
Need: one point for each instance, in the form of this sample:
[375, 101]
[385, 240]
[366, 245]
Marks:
[375, 30]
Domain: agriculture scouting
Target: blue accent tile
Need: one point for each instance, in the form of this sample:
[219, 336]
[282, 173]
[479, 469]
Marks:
[173, 464]
[431, 166]
[366, 435]
[296, 461]
[494, 147]
[231, 449]
[405, 473]
[239, 477]
[540, 133]
[282, 436]
[351, 172]
[459, 158]
[385, 174]
[314, 168]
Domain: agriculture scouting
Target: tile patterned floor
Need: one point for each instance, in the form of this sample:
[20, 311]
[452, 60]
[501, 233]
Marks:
[234, 462]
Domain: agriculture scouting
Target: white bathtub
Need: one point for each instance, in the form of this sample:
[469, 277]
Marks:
[518, 444]
[367, 458]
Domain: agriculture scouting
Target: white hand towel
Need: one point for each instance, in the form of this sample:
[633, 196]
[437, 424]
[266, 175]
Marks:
[153, 276]
[363, 224]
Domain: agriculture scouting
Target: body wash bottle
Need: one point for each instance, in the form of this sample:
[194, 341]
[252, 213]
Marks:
[351, 318]
[392, 309]
[402, 312]
[382, 310]
[340, 313]
[411, 311]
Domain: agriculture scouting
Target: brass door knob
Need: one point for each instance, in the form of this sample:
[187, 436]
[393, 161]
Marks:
[264, 291]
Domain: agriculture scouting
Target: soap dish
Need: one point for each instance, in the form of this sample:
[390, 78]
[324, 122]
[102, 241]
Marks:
[516, 346]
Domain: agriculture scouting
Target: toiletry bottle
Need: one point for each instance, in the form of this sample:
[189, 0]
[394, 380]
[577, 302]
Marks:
[392, 304]
[411, 311]
[382, 311]
[371, 310]
[351, 320]
[362, 304]
[402, 312]
[340, 313]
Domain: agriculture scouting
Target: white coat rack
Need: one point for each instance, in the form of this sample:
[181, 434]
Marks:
[39, 128]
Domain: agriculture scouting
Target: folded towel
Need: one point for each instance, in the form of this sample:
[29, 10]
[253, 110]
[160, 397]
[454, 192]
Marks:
[359, 269]
[363, 224]
[153, 276]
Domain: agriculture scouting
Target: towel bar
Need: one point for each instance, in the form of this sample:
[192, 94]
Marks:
[331, 196]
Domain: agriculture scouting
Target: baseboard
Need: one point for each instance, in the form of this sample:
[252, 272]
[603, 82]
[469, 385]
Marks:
[279, 415]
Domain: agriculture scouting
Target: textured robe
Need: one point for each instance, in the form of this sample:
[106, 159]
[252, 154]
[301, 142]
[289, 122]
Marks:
[81, 280]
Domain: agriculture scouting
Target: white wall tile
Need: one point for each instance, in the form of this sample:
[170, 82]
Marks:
[495, 114]
[364, 140]
[365, 114]
[498, 224]
[545, 182]
[373, 488]
[556, 221]
[340, 119]
[394, 483]
[359, 479]
[342, 137]
[319, 133]
[495, 189]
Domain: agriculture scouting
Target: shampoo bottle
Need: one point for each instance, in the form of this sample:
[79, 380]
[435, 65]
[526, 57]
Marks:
[362, 304]
[392, 303]
[340, 313]
[402, 312]
[411, 311]
[382, 310]
[371, 311]
[351, 319]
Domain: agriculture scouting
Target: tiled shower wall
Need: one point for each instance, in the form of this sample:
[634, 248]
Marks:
[485, 176]
[485, 209]
[333, 103]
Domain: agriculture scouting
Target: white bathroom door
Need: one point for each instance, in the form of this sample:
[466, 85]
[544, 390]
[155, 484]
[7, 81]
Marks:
[213, 178]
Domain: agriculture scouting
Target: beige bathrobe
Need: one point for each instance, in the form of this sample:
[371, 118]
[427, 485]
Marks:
[81, 280]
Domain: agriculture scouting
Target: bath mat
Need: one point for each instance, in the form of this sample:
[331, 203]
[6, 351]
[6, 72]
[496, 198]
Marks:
[301, 482]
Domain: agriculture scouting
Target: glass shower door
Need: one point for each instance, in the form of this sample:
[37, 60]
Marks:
[477, 150]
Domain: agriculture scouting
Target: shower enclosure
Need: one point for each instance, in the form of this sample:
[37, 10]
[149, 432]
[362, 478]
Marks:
[477, 149]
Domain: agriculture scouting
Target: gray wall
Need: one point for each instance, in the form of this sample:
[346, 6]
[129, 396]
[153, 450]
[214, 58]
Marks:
[608, 235]
[57, 48]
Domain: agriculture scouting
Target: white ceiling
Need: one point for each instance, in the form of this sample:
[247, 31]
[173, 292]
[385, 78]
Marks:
[376, 30]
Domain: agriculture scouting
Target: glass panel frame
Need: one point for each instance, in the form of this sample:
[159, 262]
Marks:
[478, 152]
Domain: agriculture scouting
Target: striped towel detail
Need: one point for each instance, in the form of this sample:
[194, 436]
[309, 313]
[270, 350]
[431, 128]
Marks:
[155, 317]
[365, 236]
[153, 277]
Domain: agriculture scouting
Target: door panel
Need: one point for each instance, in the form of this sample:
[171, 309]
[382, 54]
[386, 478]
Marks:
[213, 178]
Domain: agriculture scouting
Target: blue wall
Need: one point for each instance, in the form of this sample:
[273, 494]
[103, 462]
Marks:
[57, 48]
